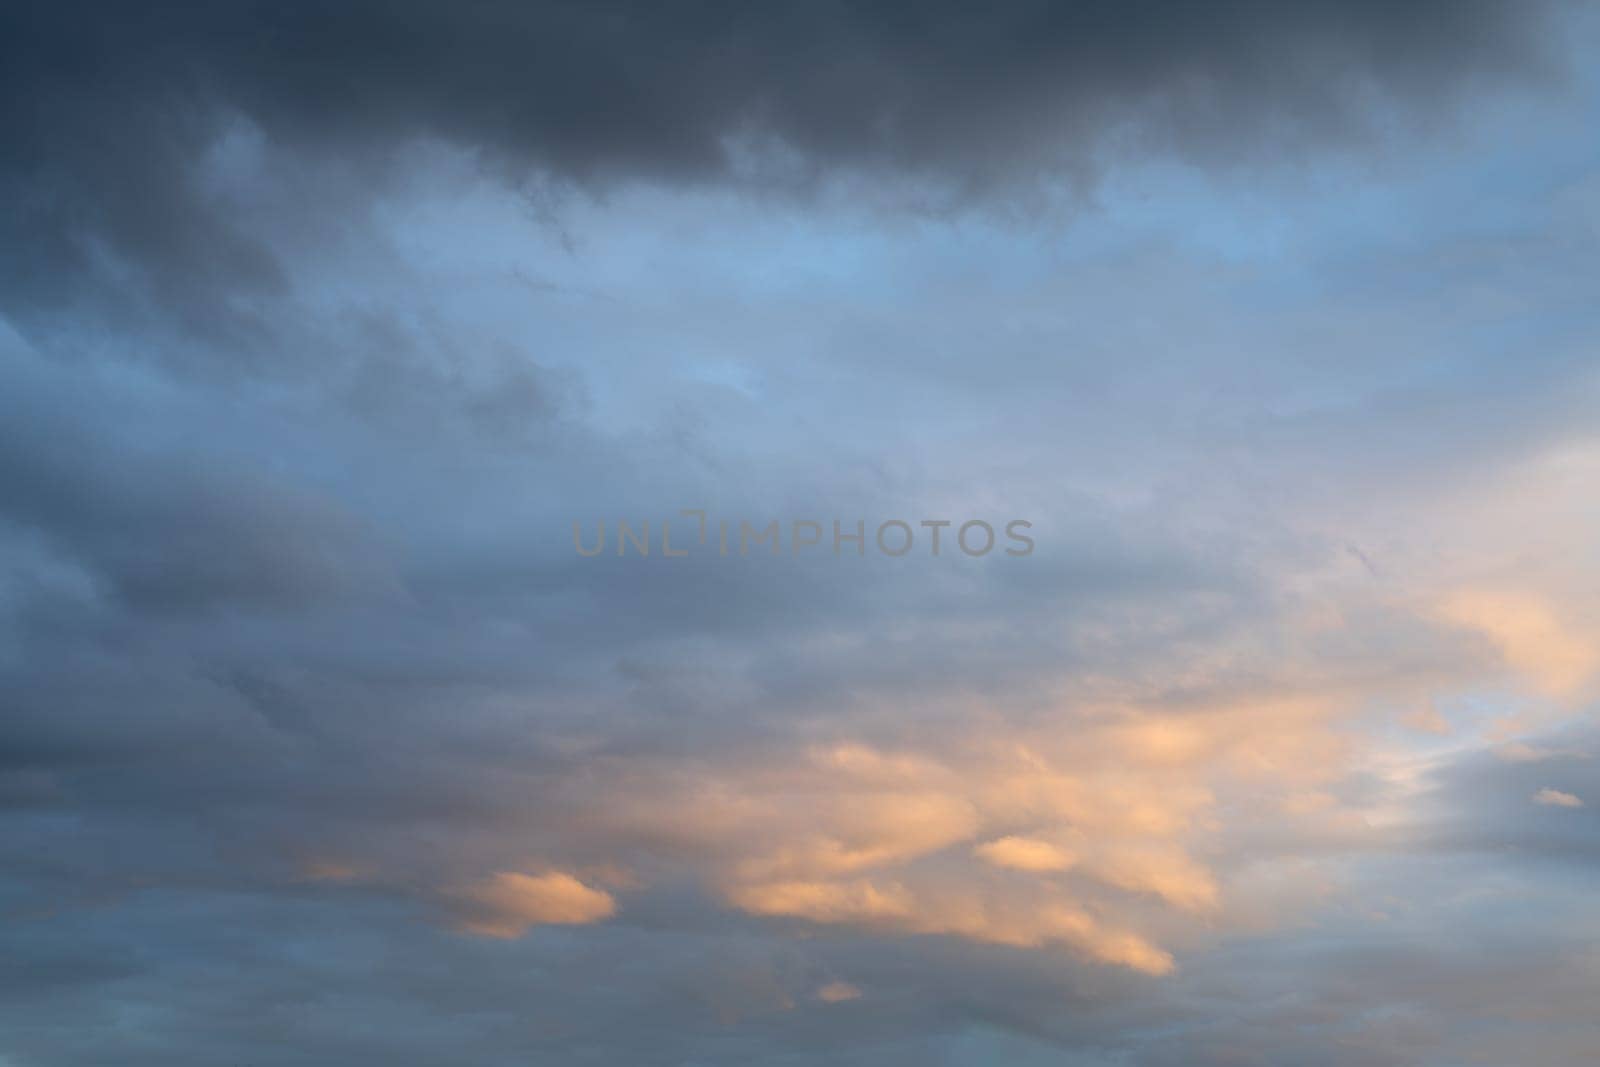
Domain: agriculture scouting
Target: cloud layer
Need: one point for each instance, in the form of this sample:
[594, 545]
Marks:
[321, 327]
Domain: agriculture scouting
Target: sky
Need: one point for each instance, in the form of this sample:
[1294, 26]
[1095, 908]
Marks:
[332, 335]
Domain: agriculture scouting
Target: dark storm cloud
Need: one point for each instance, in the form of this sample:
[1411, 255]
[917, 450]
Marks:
[108, 108]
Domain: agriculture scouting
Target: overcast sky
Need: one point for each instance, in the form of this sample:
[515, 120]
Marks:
[321, 325]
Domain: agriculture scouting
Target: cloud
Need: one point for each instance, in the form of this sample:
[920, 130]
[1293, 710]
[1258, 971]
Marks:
[1555, 798]
[1520, 752]
[507, 904]
[1165, 871]
[944, 910]
[293, 641]
[826, 902]
[1025, 854]
[1427, 719]
[628, 91]
[1559, 659]
[837, 992]
[908, 840]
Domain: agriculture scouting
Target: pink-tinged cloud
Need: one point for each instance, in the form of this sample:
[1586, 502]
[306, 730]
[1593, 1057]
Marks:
[1020, 922]
[1555, 798]
[838, 993]
[1559, 656]
[508, 904]
[1025, 854]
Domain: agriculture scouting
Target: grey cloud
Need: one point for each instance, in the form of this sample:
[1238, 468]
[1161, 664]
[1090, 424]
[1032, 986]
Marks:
[330, 977]
[110, 111]
[162, 526]
[1487, 806]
